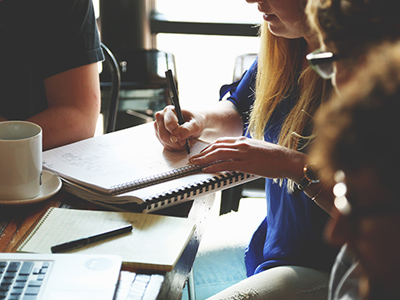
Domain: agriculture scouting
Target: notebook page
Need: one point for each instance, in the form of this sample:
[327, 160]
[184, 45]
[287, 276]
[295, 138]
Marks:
[155, 242]
[116, 158]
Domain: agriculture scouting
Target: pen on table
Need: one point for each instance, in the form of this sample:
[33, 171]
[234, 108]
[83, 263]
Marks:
[91, 239]
[175, 102]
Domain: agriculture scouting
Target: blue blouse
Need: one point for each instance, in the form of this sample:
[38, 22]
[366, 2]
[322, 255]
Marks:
[292, 231]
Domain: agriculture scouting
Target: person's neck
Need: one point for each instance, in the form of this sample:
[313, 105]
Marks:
[312, 42]
[312, 45]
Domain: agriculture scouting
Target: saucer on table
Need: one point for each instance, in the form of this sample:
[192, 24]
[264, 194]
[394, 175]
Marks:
[51, 184]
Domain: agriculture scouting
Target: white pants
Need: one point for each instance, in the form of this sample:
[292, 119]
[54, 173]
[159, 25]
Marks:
[280, 283]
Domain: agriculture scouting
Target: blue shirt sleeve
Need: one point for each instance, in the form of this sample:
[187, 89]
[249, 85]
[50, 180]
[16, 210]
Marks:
[242, 92]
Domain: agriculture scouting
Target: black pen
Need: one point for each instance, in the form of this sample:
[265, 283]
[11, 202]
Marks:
[91, 239]
[175, 102]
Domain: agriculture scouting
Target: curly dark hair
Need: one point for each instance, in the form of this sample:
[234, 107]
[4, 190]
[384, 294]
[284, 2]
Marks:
[360, 127]
[351, 27]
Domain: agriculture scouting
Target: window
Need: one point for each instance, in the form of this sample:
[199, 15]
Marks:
[233, 11]
[205, 62]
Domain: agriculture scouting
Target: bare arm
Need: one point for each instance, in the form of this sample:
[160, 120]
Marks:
[73, 106]
[263, 159]
[323, 196]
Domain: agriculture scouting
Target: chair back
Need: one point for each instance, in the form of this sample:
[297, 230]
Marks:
[242, 63]
[144, 87]
[110, 89]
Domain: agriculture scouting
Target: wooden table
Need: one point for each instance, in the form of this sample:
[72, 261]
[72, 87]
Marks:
[15, 221]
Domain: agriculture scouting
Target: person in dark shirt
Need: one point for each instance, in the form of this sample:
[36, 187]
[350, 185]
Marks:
[48, 67]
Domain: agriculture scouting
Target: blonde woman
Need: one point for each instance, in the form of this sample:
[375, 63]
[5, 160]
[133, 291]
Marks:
[264, 128]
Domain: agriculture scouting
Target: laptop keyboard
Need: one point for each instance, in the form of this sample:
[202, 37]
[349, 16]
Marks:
[134, 286]
[22, 280]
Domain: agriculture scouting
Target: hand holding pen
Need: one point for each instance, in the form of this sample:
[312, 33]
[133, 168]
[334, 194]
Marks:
[175, 101]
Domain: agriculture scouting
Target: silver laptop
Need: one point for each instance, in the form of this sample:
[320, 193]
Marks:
[58, 276]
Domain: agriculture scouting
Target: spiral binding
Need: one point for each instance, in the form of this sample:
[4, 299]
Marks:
[155, 179]
[30, 233]
[192, 190]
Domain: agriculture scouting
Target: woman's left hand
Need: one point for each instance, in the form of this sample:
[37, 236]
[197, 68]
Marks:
[251, 156]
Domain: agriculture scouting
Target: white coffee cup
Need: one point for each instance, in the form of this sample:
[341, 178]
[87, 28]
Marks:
[20, 160]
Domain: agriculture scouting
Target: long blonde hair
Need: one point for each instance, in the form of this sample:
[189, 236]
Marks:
[279, 62]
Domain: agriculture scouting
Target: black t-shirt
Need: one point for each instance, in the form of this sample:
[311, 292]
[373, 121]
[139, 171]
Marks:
[38, 39]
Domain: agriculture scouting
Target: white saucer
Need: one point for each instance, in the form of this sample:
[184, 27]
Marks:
[51, 184]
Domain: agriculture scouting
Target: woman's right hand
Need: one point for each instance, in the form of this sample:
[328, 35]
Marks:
[172, 135]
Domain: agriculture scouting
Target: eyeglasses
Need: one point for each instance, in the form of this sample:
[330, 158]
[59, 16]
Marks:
[322, 62]
[356, 212]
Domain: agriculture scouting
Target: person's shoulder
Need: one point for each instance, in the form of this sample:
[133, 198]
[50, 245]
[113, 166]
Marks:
[64, 7]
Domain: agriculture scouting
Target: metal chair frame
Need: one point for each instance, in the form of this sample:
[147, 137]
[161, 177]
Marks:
[113, 66]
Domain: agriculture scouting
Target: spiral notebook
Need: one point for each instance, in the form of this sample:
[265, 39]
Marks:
[155, 243]
[129, 170]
